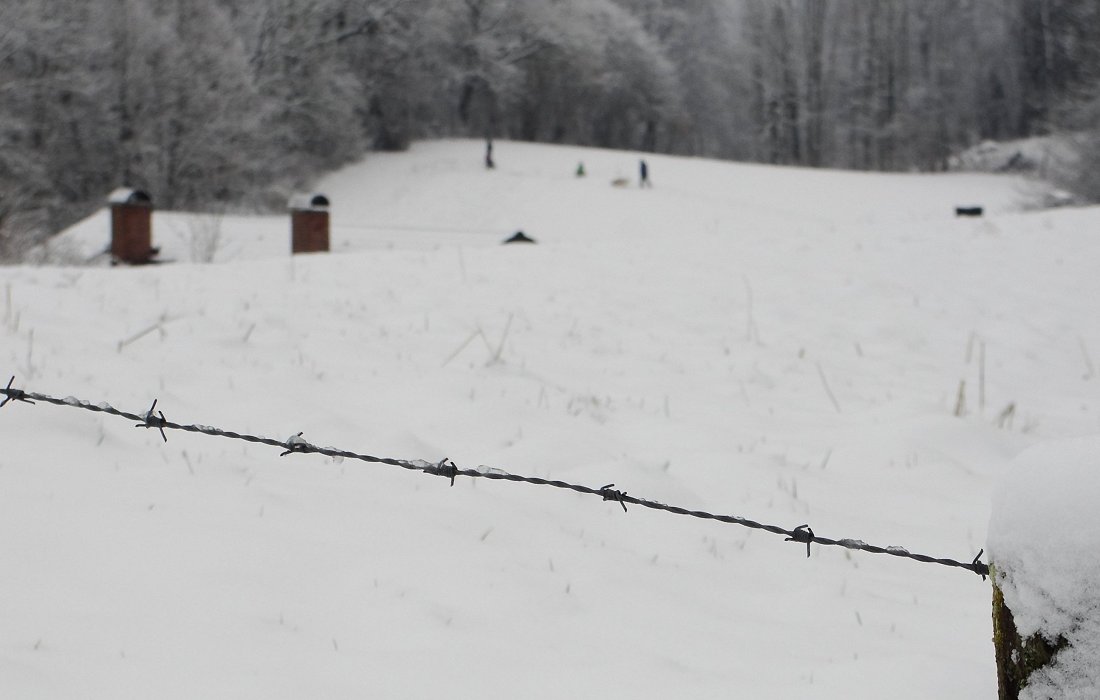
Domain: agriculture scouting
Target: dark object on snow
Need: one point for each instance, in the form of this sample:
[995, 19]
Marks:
[309, 223]
[580, 169]
[643, 175]
[519, 237]
[131, 227]
[968, 211]
[489, 154]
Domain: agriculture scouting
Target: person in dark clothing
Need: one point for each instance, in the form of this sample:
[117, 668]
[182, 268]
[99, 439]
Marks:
[643, 171]
[489, 154]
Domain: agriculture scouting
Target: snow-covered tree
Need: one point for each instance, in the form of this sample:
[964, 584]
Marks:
[310, 96]
[208, 102]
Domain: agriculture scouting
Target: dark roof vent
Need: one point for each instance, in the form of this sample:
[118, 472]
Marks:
[519, 237]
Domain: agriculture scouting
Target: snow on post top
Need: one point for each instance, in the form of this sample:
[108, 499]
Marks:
[1044, 540]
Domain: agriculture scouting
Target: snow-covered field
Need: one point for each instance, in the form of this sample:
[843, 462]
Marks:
[780, 344]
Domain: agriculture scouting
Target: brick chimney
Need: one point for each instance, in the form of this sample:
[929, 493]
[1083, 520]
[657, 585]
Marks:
[309, 223]
[131, 226]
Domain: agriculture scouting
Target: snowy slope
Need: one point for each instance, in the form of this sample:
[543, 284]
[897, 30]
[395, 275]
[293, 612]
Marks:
[680, 342]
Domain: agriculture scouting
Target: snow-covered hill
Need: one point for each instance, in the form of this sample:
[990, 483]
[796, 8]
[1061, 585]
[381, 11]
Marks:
[780, 344]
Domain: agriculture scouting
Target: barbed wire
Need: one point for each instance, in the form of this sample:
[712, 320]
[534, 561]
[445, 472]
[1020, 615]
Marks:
[295, 444]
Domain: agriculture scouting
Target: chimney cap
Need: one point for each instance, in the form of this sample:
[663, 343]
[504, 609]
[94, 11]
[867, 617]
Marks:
[308, 201]
[126, 195]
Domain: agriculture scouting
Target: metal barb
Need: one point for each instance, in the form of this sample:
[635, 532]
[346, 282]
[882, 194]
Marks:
[980, 568]
[294, 443]
[154, 421]
[14, 394]
[609, 494]
[802, 533]
[446, 468]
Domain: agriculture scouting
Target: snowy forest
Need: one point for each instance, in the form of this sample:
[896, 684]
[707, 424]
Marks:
[211, 104]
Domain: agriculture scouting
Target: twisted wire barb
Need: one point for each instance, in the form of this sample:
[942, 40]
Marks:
[802, 534]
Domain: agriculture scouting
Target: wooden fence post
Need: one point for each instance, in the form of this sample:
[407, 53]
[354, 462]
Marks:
[1017, 658]
[1044, 533]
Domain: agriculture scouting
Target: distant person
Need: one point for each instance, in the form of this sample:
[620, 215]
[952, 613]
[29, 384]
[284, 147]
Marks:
[489, 154]
[643, 175]
[580, 169]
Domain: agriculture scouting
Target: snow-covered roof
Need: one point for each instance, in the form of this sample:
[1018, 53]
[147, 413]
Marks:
[181, 237]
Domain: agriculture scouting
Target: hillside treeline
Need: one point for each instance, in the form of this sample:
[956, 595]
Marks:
[229, 103]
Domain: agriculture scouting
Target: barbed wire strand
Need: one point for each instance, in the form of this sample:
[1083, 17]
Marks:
[448, 469]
